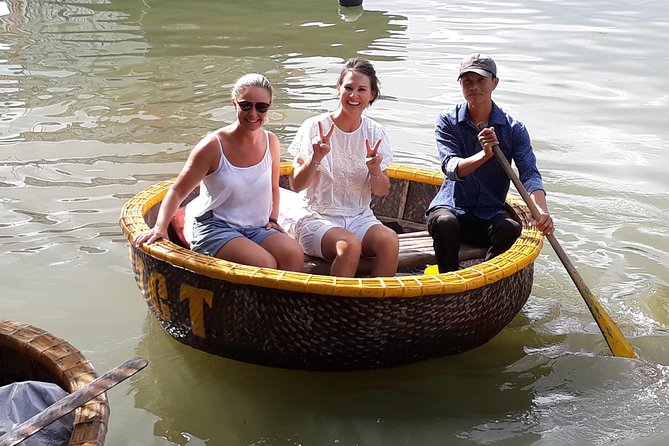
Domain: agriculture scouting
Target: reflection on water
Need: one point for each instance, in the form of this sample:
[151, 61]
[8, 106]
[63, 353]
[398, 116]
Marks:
[155, 72]
[256, 403]
[527, 398]
[102, 98]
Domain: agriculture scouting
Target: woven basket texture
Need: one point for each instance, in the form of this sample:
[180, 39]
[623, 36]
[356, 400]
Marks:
[30, 353]
[320, 322]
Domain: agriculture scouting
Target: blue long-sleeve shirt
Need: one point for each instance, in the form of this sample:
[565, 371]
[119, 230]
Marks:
[483, 192]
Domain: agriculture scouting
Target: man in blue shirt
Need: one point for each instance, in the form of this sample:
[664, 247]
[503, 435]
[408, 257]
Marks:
[469, 206]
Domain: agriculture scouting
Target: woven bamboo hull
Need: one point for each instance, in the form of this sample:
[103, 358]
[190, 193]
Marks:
[311, 331]
[30, 353]
[315, 322]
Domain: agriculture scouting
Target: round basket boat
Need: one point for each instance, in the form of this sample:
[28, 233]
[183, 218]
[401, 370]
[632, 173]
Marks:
[313, 321]
[30, 353]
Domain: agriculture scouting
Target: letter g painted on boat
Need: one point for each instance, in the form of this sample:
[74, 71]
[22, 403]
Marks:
[157, 292]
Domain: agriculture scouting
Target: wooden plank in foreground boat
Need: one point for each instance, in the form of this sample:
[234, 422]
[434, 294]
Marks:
[71, 402]
[30, 353]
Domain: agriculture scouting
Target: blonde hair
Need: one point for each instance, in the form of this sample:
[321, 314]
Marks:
[251, 80]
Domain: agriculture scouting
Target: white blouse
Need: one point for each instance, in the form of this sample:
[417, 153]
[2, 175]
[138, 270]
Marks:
[342, 184]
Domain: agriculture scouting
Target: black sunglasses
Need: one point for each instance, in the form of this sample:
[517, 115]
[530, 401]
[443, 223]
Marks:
[246, 106]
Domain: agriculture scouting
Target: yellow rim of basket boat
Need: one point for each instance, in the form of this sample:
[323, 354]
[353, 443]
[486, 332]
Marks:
[523, 252]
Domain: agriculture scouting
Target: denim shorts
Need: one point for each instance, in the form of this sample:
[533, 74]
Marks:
[210, 234]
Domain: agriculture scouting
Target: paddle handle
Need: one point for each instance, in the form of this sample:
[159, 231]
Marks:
[614, 338]
[70, 402]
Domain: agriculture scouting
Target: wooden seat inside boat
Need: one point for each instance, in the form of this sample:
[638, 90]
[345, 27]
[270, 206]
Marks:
[416, 252]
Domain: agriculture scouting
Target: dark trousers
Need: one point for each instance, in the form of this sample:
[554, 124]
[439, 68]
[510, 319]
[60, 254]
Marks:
[448, 230]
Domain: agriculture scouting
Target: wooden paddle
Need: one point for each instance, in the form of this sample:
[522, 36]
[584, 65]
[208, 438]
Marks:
[614, 338]
[70, 402]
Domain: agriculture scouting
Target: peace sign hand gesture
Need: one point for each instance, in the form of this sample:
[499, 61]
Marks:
[321, 144]
[374, 158]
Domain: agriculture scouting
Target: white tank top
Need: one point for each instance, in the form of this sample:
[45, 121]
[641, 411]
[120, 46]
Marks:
[240, 196]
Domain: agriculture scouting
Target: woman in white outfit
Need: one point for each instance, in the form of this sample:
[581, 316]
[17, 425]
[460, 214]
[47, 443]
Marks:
[340, 161]
[237, 167]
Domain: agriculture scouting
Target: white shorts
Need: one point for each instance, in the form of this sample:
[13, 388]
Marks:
[309, 230]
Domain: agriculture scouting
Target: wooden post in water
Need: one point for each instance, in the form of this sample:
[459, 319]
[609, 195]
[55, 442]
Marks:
[350, 3]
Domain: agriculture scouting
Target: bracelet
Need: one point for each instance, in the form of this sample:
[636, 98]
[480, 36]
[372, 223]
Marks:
[273, 220]
[315, 163]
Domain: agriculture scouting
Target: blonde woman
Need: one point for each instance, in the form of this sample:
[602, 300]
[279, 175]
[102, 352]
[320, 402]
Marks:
[237, 167]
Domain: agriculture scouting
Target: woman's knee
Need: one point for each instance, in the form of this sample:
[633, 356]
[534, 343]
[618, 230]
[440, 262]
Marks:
[291, 257]
[390, 243]
[348, 247]
[286, 251]
[381, 241]
[264, 260]
[338, 243]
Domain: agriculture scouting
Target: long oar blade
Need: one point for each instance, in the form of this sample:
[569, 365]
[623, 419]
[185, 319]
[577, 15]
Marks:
[70, 402]
[614, 338]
